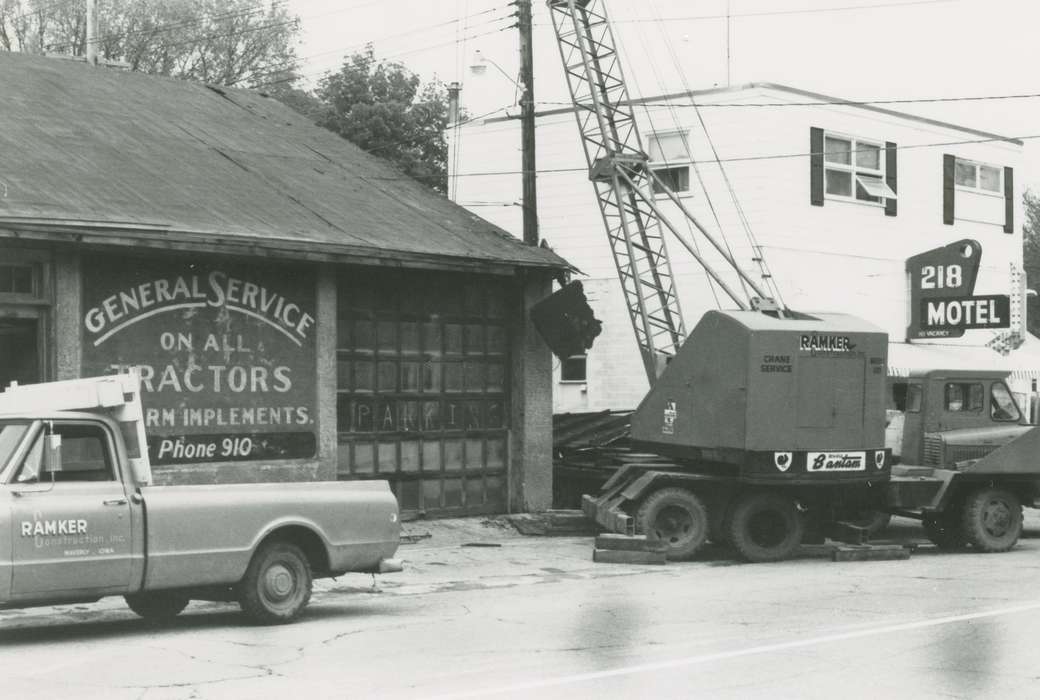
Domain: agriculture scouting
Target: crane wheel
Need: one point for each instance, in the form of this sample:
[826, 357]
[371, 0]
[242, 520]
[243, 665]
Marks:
[677, 517]
[992, 519]
[764, 526]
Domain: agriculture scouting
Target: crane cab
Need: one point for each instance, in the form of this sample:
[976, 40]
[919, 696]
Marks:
[770, 399]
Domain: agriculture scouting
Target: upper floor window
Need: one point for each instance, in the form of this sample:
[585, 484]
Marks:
[17, 279]
[978, 176]
[855, 168]
[983, 186]
[669, 159]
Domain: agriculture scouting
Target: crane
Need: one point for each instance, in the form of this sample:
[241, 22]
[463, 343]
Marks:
[764, 433]
[625, 185]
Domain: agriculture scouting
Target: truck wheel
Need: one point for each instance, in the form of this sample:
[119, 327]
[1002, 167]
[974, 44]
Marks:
[676, 517]
[944, 532]
[157, 606]
[992, 519]
[765, 526]
[277, 584]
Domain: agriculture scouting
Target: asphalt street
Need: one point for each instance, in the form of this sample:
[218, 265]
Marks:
[484, 612]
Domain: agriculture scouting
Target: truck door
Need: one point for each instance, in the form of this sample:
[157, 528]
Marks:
[72, 534]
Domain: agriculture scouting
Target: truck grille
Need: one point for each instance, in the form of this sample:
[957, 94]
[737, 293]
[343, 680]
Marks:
[933, 450]
[938, 454]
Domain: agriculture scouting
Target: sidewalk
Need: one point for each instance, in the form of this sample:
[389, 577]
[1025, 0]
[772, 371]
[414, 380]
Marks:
[477, 553]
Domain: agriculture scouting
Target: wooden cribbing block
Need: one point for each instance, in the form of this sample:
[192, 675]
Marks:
[623, 556]
[628, 543]
[870, 552]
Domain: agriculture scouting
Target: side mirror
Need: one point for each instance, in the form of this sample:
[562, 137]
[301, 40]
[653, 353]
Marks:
[52, 453]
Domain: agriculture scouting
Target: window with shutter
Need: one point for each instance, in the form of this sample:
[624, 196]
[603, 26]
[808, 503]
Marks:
[854, 169]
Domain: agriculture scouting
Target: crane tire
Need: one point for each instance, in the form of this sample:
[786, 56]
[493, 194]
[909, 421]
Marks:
[992, 519]
[277, 584]
[157, 606]
[676, 517]
[764, 526]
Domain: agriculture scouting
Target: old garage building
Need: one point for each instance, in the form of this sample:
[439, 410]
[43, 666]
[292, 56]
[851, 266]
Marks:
[298, 308]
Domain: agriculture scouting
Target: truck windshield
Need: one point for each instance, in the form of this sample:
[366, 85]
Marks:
[11, 434]
[1002, 405]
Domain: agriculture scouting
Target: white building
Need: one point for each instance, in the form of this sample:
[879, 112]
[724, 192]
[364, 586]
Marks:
[835, 231]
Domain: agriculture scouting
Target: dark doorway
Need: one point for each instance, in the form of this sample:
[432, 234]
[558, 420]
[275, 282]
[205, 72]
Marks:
[18, 352]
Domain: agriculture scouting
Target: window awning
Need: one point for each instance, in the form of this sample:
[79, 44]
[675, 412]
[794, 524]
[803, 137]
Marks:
[875, 187]
[1022, 363]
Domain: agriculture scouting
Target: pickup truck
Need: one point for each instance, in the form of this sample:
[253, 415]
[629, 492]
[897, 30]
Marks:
[81, 520]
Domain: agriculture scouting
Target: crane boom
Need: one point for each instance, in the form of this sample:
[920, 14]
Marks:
[624, 184]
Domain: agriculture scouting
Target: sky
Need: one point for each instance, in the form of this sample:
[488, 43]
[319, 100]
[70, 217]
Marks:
[852, 49]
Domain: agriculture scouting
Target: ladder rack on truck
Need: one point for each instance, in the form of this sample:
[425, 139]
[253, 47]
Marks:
[117, 394]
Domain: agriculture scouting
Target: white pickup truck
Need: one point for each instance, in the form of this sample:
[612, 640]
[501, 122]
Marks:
[80, 520]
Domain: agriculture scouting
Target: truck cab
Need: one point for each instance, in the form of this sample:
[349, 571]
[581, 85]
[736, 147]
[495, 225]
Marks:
[941, 417]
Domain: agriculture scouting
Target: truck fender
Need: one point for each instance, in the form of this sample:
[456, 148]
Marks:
[303, 532]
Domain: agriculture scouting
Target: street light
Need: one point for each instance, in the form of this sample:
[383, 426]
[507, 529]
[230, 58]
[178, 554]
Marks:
[478, 67]
[525, 91]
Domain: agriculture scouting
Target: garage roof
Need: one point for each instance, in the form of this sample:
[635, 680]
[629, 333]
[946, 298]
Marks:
[103, 156]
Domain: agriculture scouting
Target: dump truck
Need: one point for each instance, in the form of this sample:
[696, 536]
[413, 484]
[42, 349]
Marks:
[81, 518]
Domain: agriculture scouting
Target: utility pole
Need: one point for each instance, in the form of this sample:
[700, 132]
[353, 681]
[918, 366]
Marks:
[527, 140]
[92, 33]
[727, 42]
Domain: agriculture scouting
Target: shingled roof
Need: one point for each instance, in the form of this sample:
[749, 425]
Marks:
[103, 156]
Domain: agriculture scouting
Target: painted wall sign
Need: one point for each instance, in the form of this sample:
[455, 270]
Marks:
[943, 303]
[227, 355]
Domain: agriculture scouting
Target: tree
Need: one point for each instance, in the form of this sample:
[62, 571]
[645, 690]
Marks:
[1031, 256]
[385, 109]
[224, 42]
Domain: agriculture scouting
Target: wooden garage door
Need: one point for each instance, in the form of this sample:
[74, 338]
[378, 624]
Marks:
[423, 387]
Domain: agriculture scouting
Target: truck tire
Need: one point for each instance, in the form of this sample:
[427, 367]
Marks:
[765, 526]
[677, 517]
[157, 606]
[944, 531]
[277, 584]
[992, 519]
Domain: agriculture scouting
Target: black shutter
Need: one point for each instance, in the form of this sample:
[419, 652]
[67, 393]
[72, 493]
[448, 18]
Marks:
[949, 166]
[1009, 200]
[890, 177]
[816, 166]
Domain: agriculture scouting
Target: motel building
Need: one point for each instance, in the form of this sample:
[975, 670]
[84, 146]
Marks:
[910, 223]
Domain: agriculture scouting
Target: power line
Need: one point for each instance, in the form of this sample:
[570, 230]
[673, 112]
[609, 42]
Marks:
[819, 103]
[388, 57]
[774, 13]
[173, 26]
[354, 47]
[776, 156]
